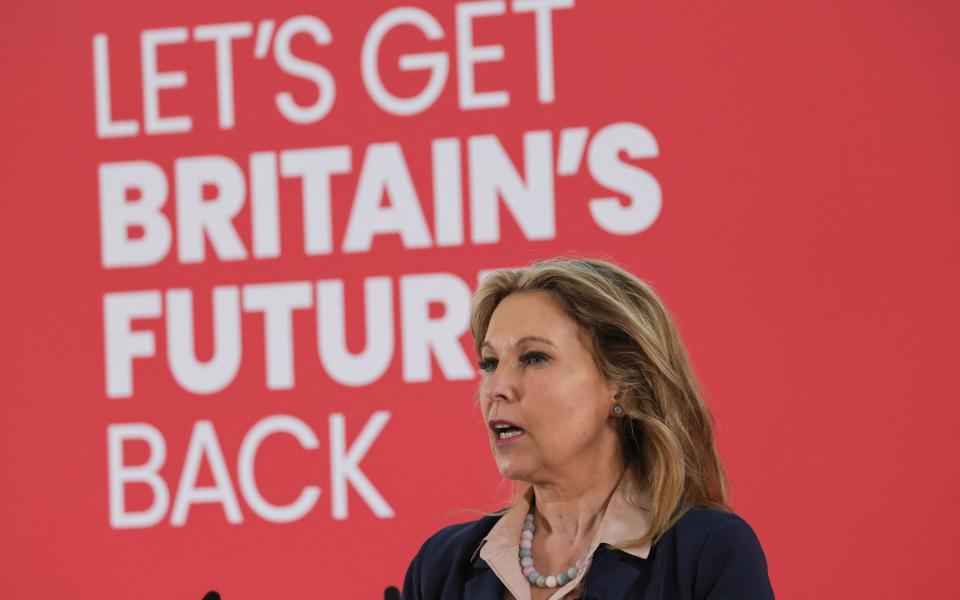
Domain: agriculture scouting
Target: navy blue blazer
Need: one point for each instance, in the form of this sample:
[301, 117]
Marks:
[707, 555]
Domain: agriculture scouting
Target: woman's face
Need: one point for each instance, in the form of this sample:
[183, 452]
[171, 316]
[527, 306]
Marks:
[546, 406]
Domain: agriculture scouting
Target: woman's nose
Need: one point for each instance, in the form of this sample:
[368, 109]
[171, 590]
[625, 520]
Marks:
[501, 384]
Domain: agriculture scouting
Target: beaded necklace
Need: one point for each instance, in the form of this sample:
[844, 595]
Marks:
[526, 560]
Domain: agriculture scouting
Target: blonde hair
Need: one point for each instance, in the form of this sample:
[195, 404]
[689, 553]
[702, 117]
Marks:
[666, 433]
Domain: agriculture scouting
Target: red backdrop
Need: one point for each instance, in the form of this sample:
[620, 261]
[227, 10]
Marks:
[785, 179]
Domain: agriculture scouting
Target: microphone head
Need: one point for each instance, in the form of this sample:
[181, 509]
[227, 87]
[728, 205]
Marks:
[212, 595]
[391, 593]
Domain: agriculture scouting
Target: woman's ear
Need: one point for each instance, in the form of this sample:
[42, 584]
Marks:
[615, 388]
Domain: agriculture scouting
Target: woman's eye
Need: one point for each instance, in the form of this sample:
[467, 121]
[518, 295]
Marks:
[533, 358]
[487, 365]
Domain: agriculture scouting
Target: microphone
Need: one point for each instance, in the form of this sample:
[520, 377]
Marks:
[211, 595]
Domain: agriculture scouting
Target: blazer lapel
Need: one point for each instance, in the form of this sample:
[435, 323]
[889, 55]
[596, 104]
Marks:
[483, 584]
[613, 574]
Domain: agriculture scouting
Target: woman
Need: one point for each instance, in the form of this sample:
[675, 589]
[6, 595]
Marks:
[591, 404]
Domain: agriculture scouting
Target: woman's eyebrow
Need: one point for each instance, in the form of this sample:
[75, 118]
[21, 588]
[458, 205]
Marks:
[527, 338]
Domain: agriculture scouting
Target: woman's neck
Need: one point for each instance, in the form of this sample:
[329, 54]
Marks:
[574, 507]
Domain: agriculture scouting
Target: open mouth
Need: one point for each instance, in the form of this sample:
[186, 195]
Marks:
[504, 430]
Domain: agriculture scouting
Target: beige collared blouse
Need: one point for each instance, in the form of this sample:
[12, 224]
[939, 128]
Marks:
[622, 521]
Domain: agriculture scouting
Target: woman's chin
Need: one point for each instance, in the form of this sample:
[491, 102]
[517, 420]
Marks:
[509, 469]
